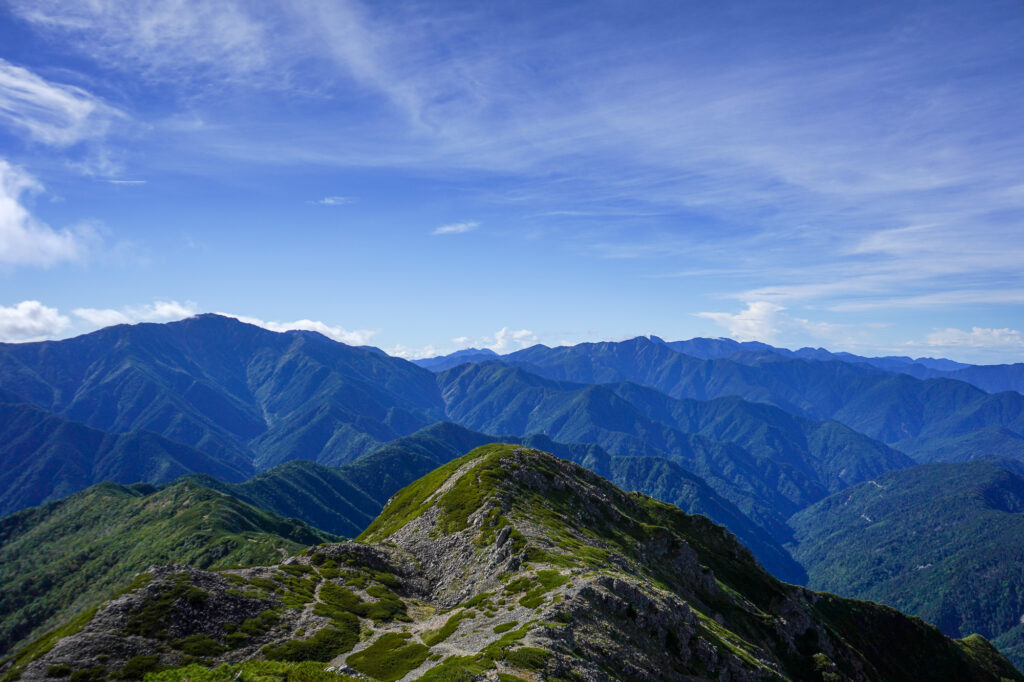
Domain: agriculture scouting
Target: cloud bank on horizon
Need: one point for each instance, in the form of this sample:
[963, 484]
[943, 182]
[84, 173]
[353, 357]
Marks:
[848, 176]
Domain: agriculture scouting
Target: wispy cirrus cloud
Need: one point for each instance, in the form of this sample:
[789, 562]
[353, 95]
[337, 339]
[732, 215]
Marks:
[850, 162]
[827, 157]
[334, 201]
[977, 337]
[179, 40]
[457, 228]
[58, 116]
[51, 113]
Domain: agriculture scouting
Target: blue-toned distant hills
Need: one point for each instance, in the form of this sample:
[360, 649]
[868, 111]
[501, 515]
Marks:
[762, 440]
[895, 408]
[215, 396]
[990, 378]
[459, 357]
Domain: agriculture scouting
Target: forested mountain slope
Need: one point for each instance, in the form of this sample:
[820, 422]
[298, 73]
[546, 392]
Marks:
[941, 541]
[232, 390]
[45, 457]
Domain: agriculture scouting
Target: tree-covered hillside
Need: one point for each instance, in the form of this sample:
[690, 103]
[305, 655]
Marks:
[941, 541]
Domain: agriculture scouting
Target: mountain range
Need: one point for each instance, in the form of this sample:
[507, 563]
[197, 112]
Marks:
[778, 446]
[894, 408]
[990, 378]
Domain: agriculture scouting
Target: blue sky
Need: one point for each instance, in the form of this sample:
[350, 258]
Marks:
[429, 176]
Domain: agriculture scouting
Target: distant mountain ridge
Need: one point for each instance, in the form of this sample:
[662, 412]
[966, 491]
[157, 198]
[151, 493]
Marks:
[238, 396]
[894, 408]
[250, 398]
[226, 388]
[457, 358]
[989, 378]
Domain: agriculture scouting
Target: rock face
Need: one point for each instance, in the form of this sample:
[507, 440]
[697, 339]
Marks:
[508, 564]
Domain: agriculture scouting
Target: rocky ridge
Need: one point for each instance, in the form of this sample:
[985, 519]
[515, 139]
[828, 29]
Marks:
[507, 564]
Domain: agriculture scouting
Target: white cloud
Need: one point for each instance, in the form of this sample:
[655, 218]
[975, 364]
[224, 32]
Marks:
[165, 310]
[127, 182]
[334, 201]
[102, 317]
[50, 113]
[24, 240]
[768, 322]
[98, 162]
[977, 337]
[30, 321]
[503, 339]
[406, 353]
[759, 322]
[943, 298]
[356, 337]
[456, 228]
[158, 311]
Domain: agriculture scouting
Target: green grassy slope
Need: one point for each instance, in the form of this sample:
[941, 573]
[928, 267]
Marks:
[511, 563]
[345, 499]
[69, 555]
[588, 522]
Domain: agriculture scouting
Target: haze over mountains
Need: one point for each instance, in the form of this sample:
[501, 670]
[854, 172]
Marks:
[773, 444]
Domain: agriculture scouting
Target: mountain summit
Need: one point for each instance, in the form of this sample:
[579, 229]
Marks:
[509, 563]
